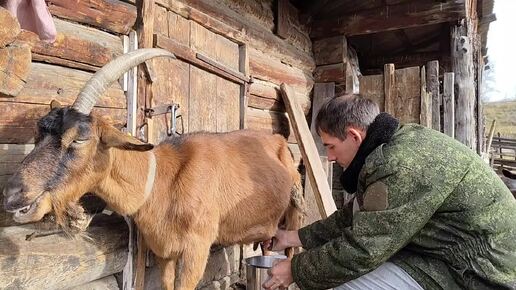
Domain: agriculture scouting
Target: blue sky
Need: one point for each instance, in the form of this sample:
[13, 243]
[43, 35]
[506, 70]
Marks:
[501, 44]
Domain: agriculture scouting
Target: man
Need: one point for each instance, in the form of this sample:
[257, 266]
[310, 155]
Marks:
[428, 213]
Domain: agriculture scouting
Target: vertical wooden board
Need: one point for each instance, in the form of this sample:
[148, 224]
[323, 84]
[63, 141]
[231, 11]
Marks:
[390, 91]
[432, 87]
[161, 20]
[202, 108]
[227, 52]
[425, 118]
[228, 106]
[179, 28]
[202, 40]
[372, 87]
[449, 104]
[172, 86]
[408, 101]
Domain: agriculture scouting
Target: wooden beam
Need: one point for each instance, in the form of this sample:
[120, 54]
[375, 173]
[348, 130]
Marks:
[80, 44]
[9, 27]
[404, 60]
[313, 164]
[463, 67]
[390, 92]
[330, 73]
[330, 50]
[113, 15]
[58, 262]
[449, 104]
[15, 64]
[432, 88]
[390, 17]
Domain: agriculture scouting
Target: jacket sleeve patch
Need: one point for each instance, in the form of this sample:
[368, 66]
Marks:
[376, 197]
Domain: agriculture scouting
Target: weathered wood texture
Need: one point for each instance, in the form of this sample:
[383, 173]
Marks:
[390, 17]
[372, 88]
[314, 168]
[408, 103]
[463, 67]
[9, 27]
[390, 91]
[330, 73]
[289, 26]
[267, 96]
[330, 50]
[432, 87]
[229, 23]
[78, 46]
[263, 67]
[425, 117]
[112, 15]
[449, 104]
[58, 262]
[14, 68]
[106, 283]
[270, 121]
[49, 82]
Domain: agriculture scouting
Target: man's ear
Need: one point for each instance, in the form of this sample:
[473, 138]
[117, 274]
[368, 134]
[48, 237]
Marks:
[356, 134]
[54, 104]
[111, 137]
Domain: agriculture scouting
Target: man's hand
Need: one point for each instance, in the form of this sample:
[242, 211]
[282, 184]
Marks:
[280, 275]
[282, 240]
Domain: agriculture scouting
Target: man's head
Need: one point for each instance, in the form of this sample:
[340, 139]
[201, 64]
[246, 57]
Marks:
[342, 123]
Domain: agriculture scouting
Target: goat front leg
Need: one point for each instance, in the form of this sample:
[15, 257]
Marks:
[195, 257]
[168, 272]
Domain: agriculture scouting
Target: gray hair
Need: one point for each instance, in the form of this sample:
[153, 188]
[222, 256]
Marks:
[337, 114]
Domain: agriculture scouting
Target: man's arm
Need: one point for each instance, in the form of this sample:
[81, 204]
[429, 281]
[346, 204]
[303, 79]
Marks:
[395, 208]
[322, 231]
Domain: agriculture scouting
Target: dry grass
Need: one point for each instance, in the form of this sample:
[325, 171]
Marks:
[505, 115]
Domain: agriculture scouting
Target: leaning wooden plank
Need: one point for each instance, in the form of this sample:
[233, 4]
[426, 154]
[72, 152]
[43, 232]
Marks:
[15, 63]
[9, 27]
[58, 262]
[50, 82]
[310, 155]
[113, 15]
[80, 44]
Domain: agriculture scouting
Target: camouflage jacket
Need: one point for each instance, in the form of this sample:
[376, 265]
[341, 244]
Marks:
[426, 203]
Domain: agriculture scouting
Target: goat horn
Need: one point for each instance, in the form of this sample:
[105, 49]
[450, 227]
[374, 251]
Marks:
[102, 79]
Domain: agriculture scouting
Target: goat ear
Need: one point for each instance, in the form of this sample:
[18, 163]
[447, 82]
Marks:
[55, 105]
[111, 137]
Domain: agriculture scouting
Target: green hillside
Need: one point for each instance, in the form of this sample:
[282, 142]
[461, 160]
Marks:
[505, 115]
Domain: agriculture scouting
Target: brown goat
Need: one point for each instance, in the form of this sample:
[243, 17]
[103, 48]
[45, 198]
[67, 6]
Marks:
[185, 194]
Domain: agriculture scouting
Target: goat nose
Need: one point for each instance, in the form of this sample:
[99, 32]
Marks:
[12, 188]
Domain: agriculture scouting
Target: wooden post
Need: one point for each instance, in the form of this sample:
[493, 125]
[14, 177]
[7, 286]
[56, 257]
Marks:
[425, 117]
[462, 64]
[322, 93]
[390, 91]
[432, 87]
[145, 30]
[449, 105]
[314, 168]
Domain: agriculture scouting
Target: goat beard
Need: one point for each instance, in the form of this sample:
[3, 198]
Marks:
[71, 218]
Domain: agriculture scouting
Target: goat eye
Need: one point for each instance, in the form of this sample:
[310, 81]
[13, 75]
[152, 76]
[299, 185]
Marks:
[80, 141]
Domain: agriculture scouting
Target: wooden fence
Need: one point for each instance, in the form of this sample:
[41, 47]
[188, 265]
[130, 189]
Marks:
[503, 153]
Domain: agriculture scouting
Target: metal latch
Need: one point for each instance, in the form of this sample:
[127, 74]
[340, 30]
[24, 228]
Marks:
[164, 110]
